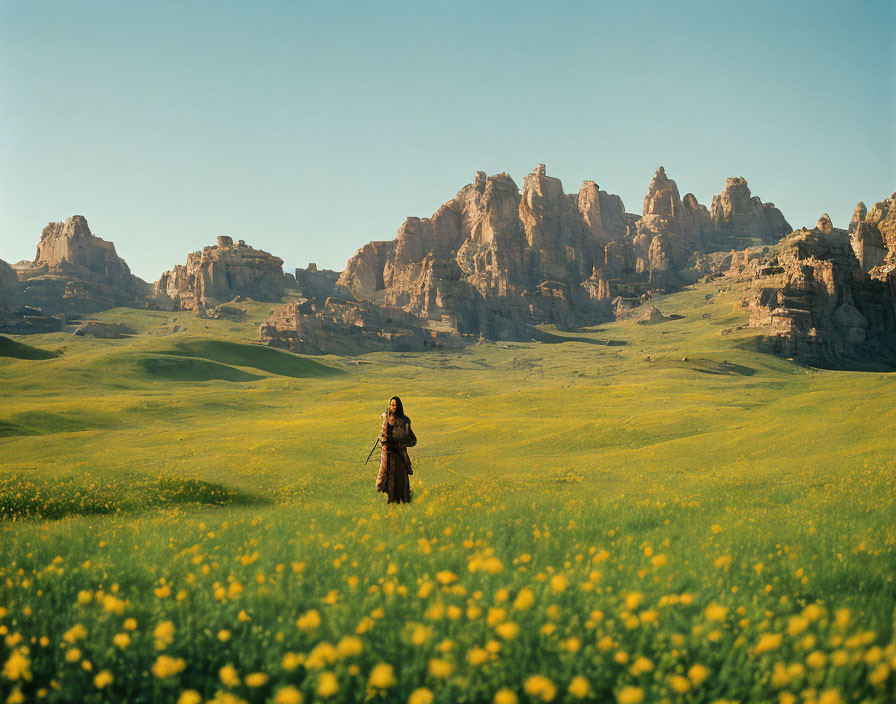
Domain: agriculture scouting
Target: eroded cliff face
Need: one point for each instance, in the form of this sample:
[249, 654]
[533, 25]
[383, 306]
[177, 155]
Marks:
[75, 272]
[736, 215]
[539, 255]
[821, 307]
[220, 273]
[9, 289]
[873, 237]
[495, 251]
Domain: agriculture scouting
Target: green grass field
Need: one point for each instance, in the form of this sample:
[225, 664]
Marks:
[639, 513]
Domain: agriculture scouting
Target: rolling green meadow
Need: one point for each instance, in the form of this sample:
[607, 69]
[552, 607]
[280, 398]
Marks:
[628, 513]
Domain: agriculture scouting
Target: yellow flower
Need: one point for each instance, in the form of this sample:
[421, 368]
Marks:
[797, 625]
[321, 655]
[223, 635]
[558, 584]
[73, 655]
[327, 685]
[579, 687]
[630, 695]
[716, 528]
[477, 656]
[640, 666]
[524, 599]
[573, 645]
[841, 618]
[505, 696]
[287, 695]
[163, 591]
[85, 597]
[229, 676]
[698, 674]
[130, 624]
[18, 666]
[879, 675]
[495, 616]
[540, 686]
[440, 668]
[420, 635]
[768, 641]
[166, 666]
[164, 634]
[421, 696]
[349, 646]
[382, 676]
[633, 600]
[715, 612]
[659, 560]
[102, 678]
[830, 696]
[446, 577]
[189, 696]
[256, 679]
[309, 621]
[816, 659]
[507, 630]
[74, 634]
[679, 684]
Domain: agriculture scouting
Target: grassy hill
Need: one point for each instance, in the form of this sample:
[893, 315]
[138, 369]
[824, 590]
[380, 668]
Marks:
[667, 498]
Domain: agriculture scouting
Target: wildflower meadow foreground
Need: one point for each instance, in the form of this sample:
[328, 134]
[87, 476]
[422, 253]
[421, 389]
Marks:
[585, 526]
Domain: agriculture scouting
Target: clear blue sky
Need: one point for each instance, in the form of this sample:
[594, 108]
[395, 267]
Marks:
[308, 129]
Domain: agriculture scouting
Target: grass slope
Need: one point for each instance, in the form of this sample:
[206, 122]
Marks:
[630, 513]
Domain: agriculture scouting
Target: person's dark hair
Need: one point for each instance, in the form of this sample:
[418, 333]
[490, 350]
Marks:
[399, 409]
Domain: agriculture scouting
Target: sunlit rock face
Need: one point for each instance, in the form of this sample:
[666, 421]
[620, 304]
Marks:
[821, 306]
[220, 273]
[75, 272]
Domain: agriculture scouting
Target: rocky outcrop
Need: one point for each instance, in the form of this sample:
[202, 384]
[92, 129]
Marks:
[341, 326]
[9, 289]
[105, 331]
[75, 272]
[873, 237]
[820, 306]
[317, 284]
[496, 256]
[220, 273]
[736, 216]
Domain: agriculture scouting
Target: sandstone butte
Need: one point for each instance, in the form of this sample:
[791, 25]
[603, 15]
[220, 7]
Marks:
[497, 259]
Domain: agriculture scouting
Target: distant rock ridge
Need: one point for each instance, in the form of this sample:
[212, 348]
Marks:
[539, 255]
[220, 273]
[74, 272]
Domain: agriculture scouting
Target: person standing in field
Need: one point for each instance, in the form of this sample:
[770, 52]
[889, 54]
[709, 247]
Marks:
[395, 465]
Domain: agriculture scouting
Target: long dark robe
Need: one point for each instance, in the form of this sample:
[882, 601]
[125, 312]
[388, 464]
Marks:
[395, 465]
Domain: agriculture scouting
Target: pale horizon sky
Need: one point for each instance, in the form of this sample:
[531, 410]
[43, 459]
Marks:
[309, 129]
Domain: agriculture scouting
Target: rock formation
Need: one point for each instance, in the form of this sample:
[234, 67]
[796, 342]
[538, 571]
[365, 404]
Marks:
[75, 272]
[539, 255]
[822, 308]
[736, 215]
[9, 289]
[106, 331]
[873, 237]
[220, 273]
[496, 257]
